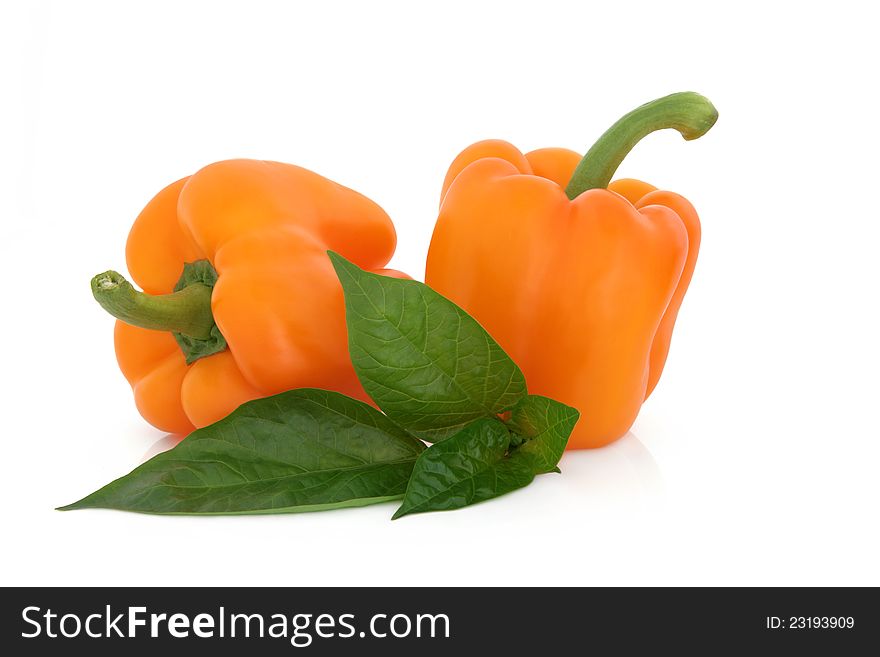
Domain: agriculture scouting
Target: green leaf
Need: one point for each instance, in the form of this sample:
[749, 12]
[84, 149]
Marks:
[302, 450]
[427, 363]
[543, 426]
[469, 467]
[490, 457]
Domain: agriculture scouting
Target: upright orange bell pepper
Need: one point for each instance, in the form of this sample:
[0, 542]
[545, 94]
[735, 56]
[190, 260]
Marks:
[579, 280]
[239, 297]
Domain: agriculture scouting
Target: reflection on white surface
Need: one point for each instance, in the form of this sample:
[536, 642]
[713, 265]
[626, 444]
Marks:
[624, 471]
[165, 443]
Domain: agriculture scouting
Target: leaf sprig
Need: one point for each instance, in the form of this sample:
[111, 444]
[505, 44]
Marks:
[436, 375]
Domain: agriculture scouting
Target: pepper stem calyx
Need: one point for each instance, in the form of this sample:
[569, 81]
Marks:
[186, 312]
[688, 112]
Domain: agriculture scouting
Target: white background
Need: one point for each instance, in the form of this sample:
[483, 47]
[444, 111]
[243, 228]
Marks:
[756, 460]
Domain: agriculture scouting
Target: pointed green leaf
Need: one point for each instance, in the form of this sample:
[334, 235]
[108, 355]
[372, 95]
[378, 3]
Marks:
[469, 467]
[302, 450]
[544, 426]
[427, 363]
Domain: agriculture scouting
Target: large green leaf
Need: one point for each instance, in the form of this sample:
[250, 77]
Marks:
[302, 450]
[427, 363]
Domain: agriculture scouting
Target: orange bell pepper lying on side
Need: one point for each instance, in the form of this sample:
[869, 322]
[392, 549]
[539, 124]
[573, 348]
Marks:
[579, 280]
[240, 300]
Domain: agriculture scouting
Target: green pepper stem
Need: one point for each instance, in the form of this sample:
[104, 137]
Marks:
[688, 112]
[187, 311]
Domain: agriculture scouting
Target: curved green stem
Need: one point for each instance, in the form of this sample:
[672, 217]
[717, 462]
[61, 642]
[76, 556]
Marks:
[187, 311]
[688, 112]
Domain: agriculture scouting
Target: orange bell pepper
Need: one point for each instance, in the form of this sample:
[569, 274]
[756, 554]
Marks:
[240, 299]
[579, 280]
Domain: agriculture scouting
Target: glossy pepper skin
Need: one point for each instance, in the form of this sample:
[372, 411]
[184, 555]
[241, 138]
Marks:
[580, 287]
[265, 228]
